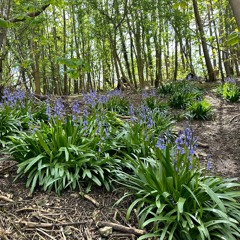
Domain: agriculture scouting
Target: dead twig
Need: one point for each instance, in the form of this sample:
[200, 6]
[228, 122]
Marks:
[43, 232]
[203, 145]
[92, 200]
[49, 225]
[6, 199]
[29, 209]
[234, 118]
[121, 228]
[122, 235]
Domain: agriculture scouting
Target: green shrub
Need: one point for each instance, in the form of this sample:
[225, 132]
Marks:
[18, 111]
[174, 199]
[229, 91]
[113, 101]
[117, 104]
[184, 94]
[153, 102]
[65, 153]
[167, 88]
[200, 110]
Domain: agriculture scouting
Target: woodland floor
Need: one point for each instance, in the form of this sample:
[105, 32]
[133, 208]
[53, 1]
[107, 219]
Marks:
[45, 215]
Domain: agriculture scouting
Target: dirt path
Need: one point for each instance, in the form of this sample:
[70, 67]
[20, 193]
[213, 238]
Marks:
[221, 135]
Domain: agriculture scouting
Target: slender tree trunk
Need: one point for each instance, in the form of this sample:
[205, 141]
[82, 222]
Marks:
[4, 10]
[211, 75]
[36, 71]
[139, 55]
[65, 78]
[235, 5]
[125, 55]
[175, 60]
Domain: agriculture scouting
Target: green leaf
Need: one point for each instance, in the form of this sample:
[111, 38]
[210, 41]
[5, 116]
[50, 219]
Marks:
[180, 204]
[214, 197]
[233, 39]
[3, 23]
[29, 163]
[43, 144]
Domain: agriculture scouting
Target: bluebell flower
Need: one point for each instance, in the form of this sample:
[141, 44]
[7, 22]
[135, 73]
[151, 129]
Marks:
[76, 111]
[76, 107]
[58, 108]
[90, 98]
[131, 110]
[230, 80]
[48, 110]
[106, 130]
[150, 123]
[103, 98]
[209, 166]
[161, 143]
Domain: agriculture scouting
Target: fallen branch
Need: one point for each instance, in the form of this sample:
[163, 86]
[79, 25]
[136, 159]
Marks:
[121, 228]
[203, 145]
[92, 200]
[6, 199]
[123, 235]
[50, 225]
[234, 118]
[30, 209]
[7, 168]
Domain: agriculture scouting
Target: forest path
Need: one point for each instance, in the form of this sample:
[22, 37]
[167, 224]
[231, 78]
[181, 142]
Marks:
[222, 135]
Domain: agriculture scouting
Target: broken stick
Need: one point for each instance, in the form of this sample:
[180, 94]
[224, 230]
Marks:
[121, 228]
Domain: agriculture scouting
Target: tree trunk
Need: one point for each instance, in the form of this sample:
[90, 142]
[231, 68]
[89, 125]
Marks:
[211, 75]
[36, 71]
[235, 5]
[65, 78]
[175, 60]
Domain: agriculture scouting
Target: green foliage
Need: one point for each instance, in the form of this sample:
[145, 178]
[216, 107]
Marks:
[167, 88]
[229, 91]
[200, 110]
[153, 102]
[118, 104]
[3, 23]
[182, 93]
[18, 112]
[9, 124]
[233, 39]
[175, 200]
[62, 155]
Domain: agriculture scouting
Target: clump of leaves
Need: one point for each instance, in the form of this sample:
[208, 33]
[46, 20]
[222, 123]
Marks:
[229, 91]
[174, 199]
[167, 88]
[66, 153]
[117, 104]
[184, 94]
[18, 111]
[200, 110]
[153, 102]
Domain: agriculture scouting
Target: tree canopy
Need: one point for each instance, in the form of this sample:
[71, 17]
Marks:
[67, 46]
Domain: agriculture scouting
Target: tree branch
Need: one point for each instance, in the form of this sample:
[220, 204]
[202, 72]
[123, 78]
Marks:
[30, 14]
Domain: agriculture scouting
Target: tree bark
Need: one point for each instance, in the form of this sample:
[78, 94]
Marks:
[211, 75]
[235, 5]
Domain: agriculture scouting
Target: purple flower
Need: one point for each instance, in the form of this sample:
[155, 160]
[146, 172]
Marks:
[161, 144]
[106, 129]
[209, 165]
[76, 108]
[58, 108]
[230, 80]
[48, 110]
[90, 98]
